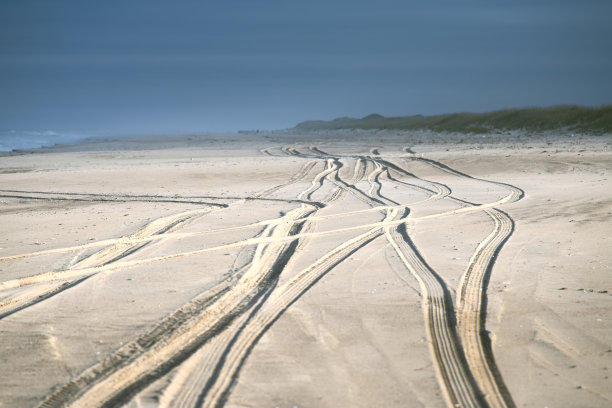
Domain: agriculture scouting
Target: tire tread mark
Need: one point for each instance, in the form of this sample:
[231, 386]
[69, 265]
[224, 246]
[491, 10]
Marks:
[185, 397]
[471, 312]
[116, 252]
[266, 262]
[133, 367]
[458, 385]
[280, 300]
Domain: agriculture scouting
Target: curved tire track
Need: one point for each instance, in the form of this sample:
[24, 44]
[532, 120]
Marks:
[280, 300]
[471, 312]
[215, 385]
[467, 370]
[126, 372]
[471, 297]
[121, 249]
[120, 376]
[51, 287]
[461, 355]
[457, 385]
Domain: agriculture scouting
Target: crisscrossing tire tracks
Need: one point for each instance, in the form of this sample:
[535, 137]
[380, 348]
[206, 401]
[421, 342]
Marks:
[462, 358]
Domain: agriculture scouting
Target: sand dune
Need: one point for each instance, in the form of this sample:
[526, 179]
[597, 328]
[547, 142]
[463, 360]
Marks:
[321, 273]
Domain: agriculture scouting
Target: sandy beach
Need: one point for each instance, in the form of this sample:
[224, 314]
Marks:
[349, 269]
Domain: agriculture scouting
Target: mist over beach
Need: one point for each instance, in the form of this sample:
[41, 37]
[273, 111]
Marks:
[18, 140]
[305, 204]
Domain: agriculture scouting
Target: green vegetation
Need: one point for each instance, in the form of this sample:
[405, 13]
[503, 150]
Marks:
[569, 118]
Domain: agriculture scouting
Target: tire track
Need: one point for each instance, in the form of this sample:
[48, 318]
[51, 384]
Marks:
[121, 250]
[358, 193]
[440, 188]
[111, 383]
[516, 193]
[118, 250]
[280, 300]
[471, 297]
[471, 312]
[95, 198]
[191, 377]
[464, 360]
[376, 185]
[266, 151]
[219, 387]
[185, 390]
[301, 174]
[173, 235]
[32, 296]
[125, 198]
[119, 377]
[457, 383]
[292, 151]
[317, 151]
[317, 182]
[341, 183]
[50, 287]
[57, 275]
[235, 317]
[437, 189]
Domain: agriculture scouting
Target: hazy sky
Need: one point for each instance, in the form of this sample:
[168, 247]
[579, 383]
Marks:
[164, 66]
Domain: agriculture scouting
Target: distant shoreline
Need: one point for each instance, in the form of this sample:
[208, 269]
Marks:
[514, 125]
[565, 118]
[232, 141]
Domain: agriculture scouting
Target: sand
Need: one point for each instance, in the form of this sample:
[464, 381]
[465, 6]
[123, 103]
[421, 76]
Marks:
[323, 270]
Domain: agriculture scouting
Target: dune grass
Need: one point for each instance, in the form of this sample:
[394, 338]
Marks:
[572, 118]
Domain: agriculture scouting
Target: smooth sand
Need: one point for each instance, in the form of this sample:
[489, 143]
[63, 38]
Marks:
[342, 269]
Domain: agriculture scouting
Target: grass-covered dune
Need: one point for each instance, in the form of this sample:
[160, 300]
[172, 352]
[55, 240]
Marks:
[589, 120]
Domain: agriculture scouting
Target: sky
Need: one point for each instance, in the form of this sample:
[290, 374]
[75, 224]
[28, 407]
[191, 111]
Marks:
[155, 66]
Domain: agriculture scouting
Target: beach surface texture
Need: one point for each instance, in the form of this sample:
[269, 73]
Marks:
[347, 268]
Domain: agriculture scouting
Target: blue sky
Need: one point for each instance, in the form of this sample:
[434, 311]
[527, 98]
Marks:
[187, 66]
